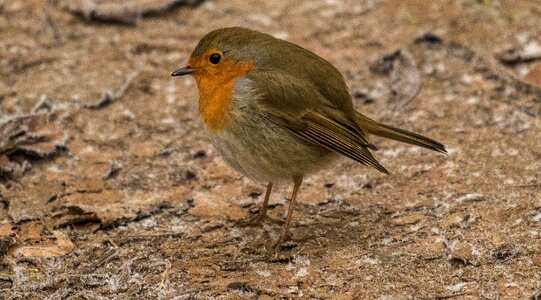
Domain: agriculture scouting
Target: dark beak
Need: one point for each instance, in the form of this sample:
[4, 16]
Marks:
[183, 71]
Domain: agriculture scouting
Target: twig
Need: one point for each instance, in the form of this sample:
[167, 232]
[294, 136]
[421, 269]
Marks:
[150, 236]
[114, 168]
[533, 185]
[513, 57]
[165, 273]
[108, 97]
[112, 242]
[451, 296]
[108, 256]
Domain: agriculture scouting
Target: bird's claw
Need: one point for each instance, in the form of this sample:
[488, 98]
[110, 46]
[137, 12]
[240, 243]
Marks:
[259, 219]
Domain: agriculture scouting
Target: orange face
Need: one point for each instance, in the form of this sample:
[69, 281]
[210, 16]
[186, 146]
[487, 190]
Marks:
[215, 75]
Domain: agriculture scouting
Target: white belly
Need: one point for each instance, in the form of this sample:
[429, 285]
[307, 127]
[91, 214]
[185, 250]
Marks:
[266, 152]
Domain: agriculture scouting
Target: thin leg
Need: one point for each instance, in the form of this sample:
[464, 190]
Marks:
[262, 214]
[285, 228]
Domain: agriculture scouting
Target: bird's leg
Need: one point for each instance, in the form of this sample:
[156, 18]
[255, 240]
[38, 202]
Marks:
[262, 214]
[285, 228]
[263, 209]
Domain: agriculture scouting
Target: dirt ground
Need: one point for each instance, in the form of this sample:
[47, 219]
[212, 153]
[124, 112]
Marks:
[110, 188]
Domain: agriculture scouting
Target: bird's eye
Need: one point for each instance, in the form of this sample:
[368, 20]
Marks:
[215, 58]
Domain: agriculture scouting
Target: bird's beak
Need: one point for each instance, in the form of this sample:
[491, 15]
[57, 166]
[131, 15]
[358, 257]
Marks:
[183, 71]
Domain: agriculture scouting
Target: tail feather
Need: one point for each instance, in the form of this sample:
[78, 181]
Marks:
[397, 134]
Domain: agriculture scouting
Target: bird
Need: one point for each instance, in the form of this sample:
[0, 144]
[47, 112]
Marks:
[276, 111]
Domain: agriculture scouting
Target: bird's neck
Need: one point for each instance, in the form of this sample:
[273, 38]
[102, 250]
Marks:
[216, 88]
[214, 102]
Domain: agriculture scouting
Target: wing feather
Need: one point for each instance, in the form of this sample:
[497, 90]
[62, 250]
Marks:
[342, 143]
[305, 112]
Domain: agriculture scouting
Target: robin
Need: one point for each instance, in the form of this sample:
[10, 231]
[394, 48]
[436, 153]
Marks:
[276, 111]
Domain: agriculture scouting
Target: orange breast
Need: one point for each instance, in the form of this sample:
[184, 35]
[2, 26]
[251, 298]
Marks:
[216, 84]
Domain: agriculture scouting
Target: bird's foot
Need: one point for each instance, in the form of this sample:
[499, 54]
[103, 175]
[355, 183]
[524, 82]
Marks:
[259, 219]
[281, 243]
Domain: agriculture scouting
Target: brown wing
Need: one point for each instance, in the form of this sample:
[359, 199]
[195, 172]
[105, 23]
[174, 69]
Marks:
[312, 117]
[336, 137]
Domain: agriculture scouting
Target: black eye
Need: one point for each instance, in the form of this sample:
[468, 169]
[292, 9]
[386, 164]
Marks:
[215, 58]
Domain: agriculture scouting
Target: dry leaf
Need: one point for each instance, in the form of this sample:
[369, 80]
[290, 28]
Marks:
[110, 206]
[7, 238]
[534, 76]
[124, 11]
[39, 251]
[31, 135]
[31, 201]
[73, 215]
[30, 231]
[57, 245]
[63, 241]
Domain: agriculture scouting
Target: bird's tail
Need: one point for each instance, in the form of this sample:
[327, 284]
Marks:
[397, 134]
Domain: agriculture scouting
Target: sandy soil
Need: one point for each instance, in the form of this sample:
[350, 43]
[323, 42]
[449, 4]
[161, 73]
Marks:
[113, 190]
